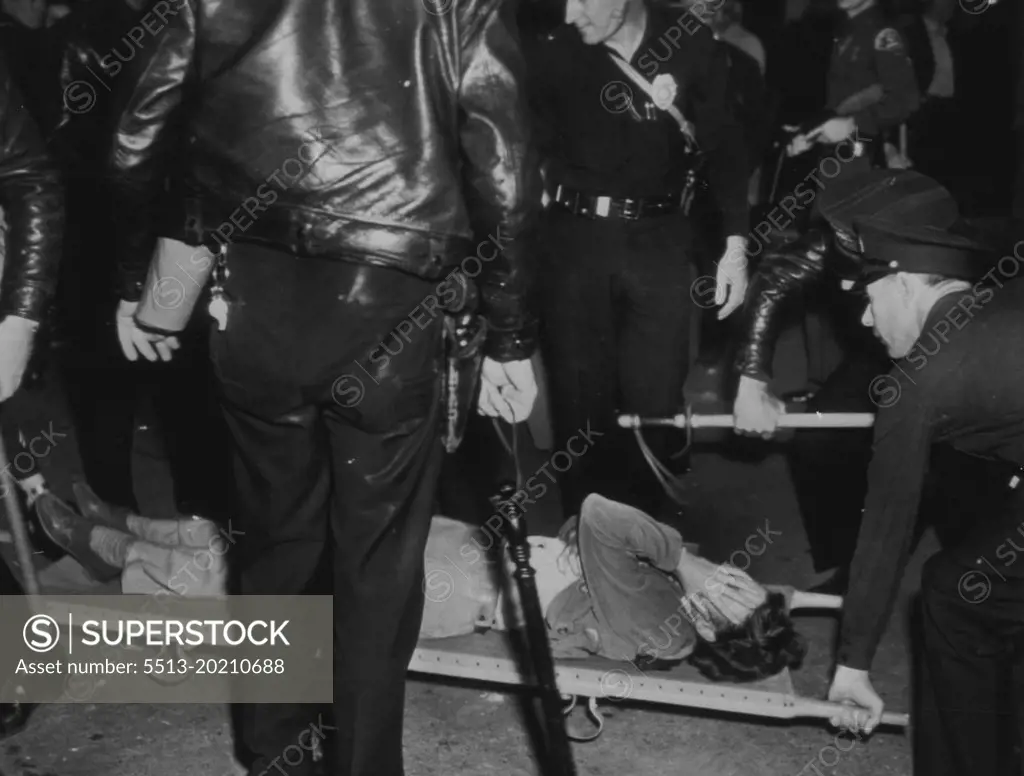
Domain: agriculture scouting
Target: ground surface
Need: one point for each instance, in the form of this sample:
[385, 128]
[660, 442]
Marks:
[468, 731]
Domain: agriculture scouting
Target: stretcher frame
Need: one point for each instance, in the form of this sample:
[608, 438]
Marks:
[590, 679]
[488, 658]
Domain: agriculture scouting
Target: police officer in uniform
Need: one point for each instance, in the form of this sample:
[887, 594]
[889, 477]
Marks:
[872, 87]
[625, 94]
[829, 468]
[952, 317]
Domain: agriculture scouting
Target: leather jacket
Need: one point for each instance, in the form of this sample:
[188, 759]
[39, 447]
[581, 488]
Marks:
[783, 274]
[33, 205]
[386, 132]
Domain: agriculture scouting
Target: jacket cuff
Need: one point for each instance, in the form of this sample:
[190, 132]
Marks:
[26, 301]
[853, 657]
[866, 126]
[736, 221]
[511, 345]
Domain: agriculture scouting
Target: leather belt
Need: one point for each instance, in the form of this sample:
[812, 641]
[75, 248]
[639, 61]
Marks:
[627, 209]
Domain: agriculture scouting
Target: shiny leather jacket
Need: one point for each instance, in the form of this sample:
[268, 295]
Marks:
[33, 207]
[783, 274]
[387, 132]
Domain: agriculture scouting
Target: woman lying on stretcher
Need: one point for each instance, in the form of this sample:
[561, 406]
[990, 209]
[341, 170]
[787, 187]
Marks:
[615, 584]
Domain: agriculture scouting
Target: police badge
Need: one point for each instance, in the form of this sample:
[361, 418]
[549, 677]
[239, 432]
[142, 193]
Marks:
[888, 40]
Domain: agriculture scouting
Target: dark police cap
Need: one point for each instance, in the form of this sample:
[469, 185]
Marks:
[888, 247]
[897, 195]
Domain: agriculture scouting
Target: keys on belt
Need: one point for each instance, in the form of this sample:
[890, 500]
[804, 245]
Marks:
[626, 209]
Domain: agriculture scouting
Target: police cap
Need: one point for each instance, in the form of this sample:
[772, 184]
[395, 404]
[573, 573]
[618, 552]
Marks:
[888, 247]
[897, 195]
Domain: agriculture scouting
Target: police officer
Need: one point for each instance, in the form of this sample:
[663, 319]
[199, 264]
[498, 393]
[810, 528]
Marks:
[872, 86]
[828, 468]
[625, 93]
[952, 317]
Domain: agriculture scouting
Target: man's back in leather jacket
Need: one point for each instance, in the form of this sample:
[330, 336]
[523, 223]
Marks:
[372, 131]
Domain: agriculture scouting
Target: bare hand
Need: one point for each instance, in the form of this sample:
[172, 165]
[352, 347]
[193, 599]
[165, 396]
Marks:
[728, 589]
[799, 145]
[136, 341]
[756, 412]
[507, 390]
[731, 278]
[833, 131]
[16, 338]
[853, 688]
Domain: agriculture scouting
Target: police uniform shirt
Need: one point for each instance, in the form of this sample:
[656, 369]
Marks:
[959, 385]
[869, 51]
[601, 134]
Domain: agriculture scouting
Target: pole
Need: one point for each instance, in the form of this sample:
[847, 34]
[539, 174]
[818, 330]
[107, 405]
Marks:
[798, 420]
[558, 761]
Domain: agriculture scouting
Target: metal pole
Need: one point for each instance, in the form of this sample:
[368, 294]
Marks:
[798, 420]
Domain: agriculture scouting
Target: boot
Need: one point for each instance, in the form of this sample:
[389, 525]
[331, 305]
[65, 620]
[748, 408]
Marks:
[94, 508]
[72, 533]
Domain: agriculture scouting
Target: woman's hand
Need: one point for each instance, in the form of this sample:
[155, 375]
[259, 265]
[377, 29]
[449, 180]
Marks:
[733, 593]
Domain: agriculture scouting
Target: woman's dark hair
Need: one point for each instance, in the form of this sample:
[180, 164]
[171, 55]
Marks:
[761, 647]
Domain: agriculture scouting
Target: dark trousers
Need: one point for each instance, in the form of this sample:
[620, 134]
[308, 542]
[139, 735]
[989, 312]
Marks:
[969, 697]
[617, 313]
[105, 389]
[334, 418]
[829, 468]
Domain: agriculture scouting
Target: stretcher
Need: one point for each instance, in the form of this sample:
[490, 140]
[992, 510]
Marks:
[490, 657]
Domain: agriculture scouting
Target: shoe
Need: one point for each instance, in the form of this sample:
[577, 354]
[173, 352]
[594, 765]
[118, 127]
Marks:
[837, 584]
[96, 509]
[14, 717]
[71, 532]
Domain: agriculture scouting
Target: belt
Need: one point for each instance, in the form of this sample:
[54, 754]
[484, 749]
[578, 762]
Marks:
[582, 204]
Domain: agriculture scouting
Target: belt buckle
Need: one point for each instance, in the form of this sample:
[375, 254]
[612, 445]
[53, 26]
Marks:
[630, 209]
[602, 206]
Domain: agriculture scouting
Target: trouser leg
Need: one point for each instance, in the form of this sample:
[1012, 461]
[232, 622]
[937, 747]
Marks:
[655, 311]
[334, 433]
[972, 601]
[579, 341]
[102, 387]
[194, 433]
[386, 462]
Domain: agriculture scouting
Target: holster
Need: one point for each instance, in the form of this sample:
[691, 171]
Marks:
[464, 334]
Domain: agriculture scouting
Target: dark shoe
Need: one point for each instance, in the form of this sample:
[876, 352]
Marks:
[14, 717]
[71, 532]
[94, 508]
[837, 584]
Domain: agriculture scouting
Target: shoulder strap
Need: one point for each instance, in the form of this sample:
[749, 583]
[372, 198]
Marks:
[684, 125]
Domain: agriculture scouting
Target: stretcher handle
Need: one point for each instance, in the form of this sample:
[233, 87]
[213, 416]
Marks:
[795, 420]
[807, 707]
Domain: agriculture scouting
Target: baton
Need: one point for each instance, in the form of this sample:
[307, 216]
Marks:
[558, 760]
[796, 420]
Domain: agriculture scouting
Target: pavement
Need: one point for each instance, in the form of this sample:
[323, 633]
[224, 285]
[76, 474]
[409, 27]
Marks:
[458, 729]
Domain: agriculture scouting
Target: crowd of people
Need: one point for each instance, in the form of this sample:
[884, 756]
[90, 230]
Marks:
[588, 160]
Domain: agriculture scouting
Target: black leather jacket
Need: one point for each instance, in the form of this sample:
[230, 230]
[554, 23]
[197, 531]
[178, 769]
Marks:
[33, 206]
[390, 132]
[783, 274]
